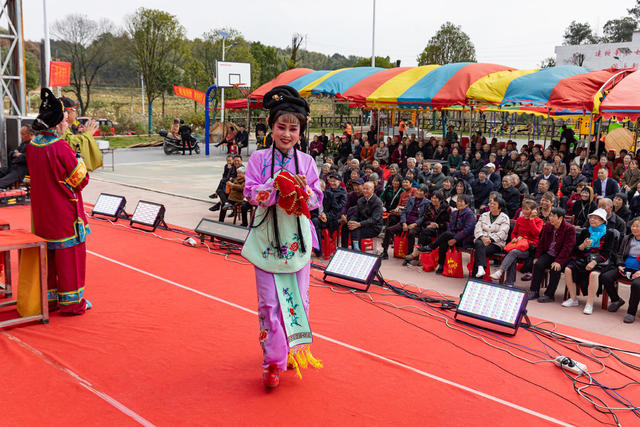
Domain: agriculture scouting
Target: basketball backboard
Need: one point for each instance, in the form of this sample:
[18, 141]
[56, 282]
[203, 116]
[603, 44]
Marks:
[233, 73]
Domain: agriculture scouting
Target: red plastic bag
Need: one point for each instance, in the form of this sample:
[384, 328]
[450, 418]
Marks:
[453, 263]
[429, 260]
[521, 245]
[400, 246]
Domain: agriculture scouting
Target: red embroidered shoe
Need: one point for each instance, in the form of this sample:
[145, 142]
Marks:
[271, 376]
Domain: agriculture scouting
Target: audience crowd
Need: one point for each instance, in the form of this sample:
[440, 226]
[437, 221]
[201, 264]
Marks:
[541, 210]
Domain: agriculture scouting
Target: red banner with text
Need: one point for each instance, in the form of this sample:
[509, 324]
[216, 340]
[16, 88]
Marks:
[59, 73]
[187, 92]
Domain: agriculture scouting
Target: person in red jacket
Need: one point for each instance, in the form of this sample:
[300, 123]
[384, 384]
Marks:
[528, 227]
[602, 163]
[553, 252]
[57, 179]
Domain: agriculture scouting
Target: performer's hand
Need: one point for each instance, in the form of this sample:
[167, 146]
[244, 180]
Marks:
[301, 180]
[92, 127]
[555, 266]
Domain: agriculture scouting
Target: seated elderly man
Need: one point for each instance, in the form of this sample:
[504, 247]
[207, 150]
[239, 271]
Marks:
[510, 195]
[411, 166]
[547, 174]
[425, 173]
[519, 184]
[335, 197]
[366, 221]
[410, 219]
[541, 188]
[464, 172]
[613, 220]
[570, 183]
[605, 186]
[434, 182]
[493, 174]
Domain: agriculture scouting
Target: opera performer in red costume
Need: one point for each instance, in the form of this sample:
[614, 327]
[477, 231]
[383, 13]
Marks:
[283, 183]
[57, 178]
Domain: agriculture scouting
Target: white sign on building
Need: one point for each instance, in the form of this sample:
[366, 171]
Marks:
[602, 55]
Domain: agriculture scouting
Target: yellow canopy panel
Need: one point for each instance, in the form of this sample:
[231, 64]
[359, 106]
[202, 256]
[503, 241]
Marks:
[390, 90]
[491, 88]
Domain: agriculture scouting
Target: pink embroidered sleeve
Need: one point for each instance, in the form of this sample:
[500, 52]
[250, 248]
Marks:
[258, 190]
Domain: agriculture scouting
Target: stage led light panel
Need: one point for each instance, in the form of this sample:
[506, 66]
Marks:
[232, 233]
[108, 205]
[356, 266]
[149, 214]
[496, 304]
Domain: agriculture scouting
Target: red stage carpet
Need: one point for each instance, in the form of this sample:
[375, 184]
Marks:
[173, 340]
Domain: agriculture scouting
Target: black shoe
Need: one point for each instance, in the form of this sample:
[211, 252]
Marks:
[215, 207]
[406, 262]
[615, 305]
[425, 249]
[384, 255]
[213, 196]
[545, 298]
[440, 269]
[533, 295]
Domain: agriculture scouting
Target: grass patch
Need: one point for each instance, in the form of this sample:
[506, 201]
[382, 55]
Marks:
[126, 141]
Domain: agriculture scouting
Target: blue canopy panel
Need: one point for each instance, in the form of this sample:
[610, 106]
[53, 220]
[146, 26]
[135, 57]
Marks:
[302, 81]
[340, 82]
[423, 91]
[536, 88]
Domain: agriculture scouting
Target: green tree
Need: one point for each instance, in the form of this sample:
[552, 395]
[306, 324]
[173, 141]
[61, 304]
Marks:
[270, 63]
[635, 11]
[32, 70]
[548, 62]
[578, 33]
[380, 62]
[449, 44]
[80, 42]
[619, 30]
[157, 40]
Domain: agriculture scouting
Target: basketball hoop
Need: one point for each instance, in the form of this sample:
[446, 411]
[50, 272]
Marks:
[244, 90]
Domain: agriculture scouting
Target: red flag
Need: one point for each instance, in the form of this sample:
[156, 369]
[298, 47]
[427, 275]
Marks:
[59, 73]
[187, 92]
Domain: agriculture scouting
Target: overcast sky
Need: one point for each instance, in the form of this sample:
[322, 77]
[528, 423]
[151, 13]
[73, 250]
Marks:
[508, 32]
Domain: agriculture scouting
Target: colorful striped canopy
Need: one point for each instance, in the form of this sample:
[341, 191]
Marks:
[624, 98]
[556, 90]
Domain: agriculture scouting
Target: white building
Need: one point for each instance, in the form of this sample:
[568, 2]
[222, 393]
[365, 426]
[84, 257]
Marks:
[602, 55]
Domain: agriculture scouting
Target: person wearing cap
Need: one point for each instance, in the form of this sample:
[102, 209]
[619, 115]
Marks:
[81, 139]
[464, 173]
[283, 183]
[593, 254]
[553, 253]
[57, 211]
[493, 175]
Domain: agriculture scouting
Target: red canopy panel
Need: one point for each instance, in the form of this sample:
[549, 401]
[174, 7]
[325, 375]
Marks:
[282, 79]
[358, 93]
[233, 104]
[624, 98]
[576, 93]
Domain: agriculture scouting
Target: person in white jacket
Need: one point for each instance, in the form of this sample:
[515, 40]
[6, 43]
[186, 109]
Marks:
[491, 233]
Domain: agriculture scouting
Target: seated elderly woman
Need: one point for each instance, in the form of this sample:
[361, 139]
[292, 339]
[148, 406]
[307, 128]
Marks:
[491, 232]
[594, 252]
[459, 231]
[434, 222]
[527, 229]
[628, 268]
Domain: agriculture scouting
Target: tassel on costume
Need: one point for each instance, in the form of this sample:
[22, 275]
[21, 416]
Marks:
[301, 357]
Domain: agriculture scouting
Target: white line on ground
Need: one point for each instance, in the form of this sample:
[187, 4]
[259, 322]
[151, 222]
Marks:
[345, 345]
[81, 381]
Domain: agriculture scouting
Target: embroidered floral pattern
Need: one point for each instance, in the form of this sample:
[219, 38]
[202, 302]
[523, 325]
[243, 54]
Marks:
[264, 333]
[293, 316]
[262, 196]
[287, 250]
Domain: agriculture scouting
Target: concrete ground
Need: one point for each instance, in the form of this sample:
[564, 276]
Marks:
[183, 183]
